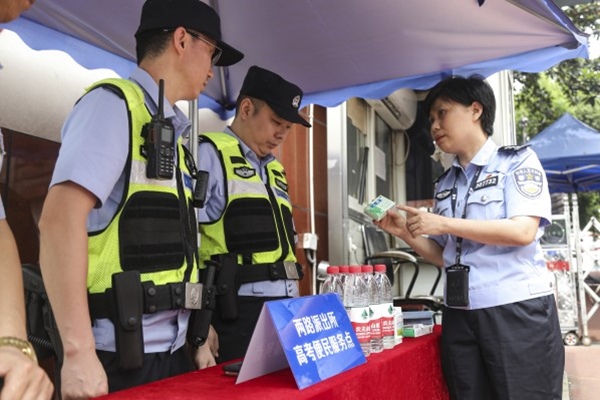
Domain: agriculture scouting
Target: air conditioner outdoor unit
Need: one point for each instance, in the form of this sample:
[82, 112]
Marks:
[399, 109]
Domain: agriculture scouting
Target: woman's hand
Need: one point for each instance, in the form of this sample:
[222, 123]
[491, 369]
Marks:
[393, 223]
[423, 222]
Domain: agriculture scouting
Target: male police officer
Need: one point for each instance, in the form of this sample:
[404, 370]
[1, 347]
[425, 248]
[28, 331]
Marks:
[247, 224]
[130, 186]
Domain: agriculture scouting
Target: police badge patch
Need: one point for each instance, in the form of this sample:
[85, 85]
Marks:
[244, 172]
[529, 182]
[296, 101]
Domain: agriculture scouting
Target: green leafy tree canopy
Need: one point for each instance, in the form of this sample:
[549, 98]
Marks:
[572, 86]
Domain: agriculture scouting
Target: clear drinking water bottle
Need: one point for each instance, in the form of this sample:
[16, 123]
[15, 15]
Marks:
[344, 273]
[374, 310]
[332, 283]
[356, 301]
[386, 306]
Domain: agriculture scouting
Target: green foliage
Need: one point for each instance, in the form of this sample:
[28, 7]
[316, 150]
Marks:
[572, 86]
[589, 206]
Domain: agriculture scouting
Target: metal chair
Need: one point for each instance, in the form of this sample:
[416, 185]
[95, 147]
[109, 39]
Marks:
[378, 252]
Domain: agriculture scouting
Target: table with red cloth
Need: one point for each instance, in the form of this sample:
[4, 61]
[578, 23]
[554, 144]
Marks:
[411, 370]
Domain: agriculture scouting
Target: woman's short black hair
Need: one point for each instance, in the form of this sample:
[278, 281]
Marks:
[465, 91]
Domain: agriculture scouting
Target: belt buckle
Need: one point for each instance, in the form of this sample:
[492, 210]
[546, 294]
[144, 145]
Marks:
[193, 296]
[290, 270]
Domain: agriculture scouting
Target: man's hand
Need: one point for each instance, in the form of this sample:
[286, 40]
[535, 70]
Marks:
[23, 379]
[204, 357]
[83, 377]
[206, 354]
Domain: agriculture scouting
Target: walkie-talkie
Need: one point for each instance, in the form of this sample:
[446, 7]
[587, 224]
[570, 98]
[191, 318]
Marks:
[160, 142]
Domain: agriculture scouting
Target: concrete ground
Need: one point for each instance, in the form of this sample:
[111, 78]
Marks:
[582, 372]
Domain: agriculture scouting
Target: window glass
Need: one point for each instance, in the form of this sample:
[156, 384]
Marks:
[357, 154]
[382, 158]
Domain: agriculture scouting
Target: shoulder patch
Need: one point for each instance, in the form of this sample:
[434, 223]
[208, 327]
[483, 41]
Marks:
[244, 172]
[529, 182]
[512, 148]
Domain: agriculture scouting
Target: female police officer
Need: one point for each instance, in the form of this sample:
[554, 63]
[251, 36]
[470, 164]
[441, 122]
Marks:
[501, 338]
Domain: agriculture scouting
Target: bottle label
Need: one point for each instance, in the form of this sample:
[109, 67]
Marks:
[375, 319]
[359, 317]
[387, 319]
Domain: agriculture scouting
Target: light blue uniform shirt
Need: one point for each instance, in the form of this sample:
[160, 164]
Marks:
[510, 185]
[95, 144]
[208, 160]
[2, 213]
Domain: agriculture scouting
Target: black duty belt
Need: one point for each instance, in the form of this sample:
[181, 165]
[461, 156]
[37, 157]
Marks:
[270, 272]
[172, 296]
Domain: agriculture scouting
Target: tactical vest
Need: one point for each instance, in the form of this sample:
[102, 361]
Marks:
[256, 224]
[148, 232]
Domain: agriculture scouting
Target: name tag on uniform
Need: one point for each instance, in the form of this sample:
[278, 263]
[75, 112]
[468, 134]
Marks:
[487, 182]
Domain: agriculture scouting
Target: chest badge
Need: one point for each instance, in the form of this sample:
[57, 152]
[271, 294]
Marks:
[443, 194]
[244, 172]
[529, 182]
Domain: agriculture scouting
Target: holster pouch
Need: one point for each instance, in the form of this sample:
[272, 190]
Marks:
[227, 286]
[128, 308]
[199, 324]
[200, 189]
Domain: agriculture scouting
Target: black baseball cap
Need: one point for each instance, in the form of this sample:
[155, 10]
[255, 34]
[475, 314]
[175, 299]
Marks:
[282, 96]
[191, 14]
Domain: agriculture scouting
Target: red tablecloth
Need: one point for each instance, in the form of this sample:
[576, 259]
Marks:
[411, 371]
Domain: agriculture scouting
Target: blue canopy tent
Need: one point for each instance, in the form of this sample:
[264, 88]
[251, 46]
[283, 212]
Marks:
[570, 154]
[334, 49]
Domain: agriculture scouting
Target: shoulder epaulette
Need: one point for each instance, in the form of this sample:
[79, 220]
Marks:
[442, 175]
[513, 148]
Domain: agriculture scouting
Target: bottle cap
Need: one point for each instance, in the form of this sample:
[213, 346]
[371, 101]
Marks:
[380, 268]
[367, 269]
[333, 270]
[355, 269]
[344, 269]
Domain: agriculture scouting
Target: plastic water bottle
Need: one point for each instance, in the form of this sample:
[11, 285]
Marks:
[398, 325]
[356, 301]
[332, 283]
[344, 273]
[386, 306]
[374, 310]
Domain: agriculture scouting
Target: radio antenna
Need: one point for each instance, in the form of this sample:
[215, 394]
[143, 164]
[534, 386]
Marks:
[161, 94]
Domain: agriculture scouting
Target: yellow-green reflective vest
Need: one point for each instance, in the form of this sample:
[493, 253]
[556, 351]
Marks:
[146, 233]
[256, 223]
